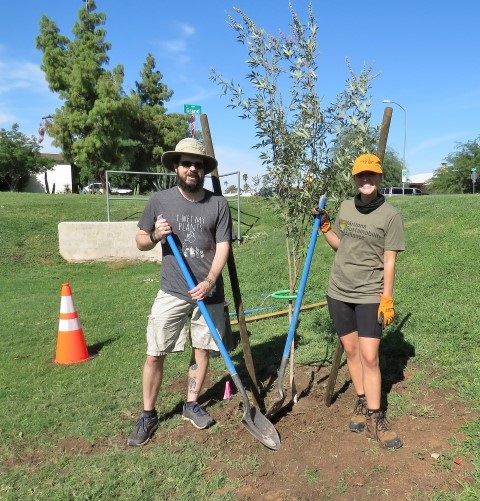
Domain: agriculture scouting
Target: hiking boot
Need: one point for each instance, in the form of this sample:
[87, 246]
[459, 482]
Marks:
[358, 420]
[144, 429]
[378, 428]
[196, 415]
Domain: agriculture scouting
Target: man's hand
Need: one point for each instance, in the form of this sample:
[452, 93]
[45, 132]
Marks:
[325, 225]
[201, 291]
[161, 230]
[386, 311]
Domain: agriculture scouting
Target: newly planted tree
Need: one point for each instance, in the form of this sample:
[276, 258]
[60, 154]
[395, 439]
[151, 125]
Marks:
[307, 147]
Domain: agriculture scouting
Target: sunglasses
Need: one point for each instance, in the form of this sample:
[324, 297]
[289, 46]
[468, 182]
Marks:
[187, 164]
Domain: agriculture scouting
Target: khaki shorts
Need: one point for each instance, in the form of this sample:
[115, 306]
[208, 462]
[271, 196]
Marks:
[167, 327]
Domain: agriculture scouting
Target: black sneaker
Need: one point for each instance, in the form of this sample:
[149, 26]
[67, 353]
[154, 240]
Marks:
[358, 421]
[144, 429]
[197, 415]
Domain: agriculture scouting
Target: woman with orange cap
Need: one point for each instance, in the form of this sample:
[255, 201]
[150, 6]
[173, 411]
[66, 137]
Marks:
[366, 235]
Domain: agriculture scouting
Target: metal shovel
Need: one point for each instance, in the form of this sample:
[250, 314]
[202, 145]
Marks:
[253, 420]
[296, 311]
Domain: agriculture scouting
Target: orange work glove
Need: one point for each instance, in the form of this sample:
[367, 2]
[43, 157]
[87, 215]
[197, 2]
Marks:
[386, 311]
[324, 219]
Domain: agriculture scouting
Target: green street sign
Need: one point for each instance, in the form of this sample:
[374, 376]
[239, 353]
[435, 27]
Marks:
[192, 109]
[473, 169]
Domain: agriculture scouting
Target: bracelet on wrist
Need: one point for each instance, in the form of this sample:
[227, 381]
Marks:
[152, 237]
[210, 282]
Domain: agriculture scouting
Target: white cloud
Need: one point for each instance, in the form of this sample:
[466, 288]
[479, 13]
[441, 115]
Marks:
[6, 118]
[435, 141]
[245, 161]
[25, 96]
[200, 96]
[176, 51]
[174, 46]
[178, 47]
[21, 75]
[187, 30]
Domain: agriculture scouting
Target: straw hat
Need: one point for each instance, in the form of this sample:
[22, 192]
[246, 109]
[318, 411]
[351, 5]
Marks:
[189, 146]
[367, 162]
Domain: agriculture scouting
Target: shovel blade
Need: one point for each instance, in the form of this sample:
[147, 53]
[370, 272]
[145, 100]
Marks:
[255, 422]
[277, 405]
[261, 428]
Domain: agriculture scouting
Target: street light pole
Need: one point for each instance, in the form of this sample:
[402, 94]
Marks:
[404, 136]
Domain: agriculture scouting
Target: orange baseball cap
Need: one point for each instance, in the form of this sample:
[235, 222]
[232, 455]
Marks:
[367, 162]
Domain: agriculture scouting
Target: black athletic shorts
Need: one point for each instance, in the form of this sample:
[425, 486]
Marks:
[351, 317]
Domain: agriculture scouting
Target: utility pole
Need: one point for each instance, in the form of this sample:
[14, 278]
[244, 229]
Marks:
[404, 170]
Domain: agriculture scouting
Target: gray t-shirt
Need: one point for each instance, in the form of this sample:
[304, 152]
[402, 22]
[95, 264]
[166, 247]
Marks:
[357, 271]
[197, 227]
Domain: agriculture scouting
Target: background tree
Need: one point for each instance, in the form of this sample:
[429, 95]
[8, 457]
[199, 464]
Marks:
[90, 125]
[300, 140]
[392, 169]
[456, 177]
[19, 156]
[98, 127]
[246, 186]
[154, 132]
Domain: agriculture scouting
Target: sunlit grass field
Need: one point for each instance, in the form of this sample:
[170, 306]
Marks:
[42, 403]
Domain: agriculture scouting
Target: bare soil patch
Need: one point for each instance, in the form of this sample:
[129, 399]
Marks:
[320, 459]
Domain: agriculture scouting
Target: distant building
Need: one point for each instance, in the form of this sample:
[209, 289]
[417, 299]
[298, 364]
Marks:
[420, 181]
[55, 180]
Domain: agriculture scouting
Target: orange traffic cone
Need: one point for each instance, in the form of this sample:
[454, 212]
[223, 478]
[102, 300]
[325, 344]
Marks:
[71, 346]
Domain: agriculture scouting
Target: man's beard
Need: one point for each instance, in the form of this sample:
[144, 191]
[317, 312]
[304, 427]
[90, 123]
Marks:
[190, 188]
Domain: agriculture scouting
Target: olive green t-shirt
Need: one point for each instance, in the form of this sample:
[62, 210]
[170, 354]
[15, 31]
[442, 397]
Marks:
[357, 272]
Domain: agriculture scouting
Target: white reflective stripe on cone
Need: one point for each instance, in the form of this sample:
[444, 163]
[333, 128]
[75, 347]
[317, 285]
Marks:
[71, 324]
[66, 304]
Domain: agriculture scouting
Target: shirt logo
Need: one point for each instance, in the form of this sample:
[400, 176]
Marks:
[357, 230]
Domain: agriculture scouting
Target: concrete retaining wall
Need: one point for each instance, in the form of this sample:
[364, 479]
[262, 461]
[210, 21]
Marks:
[115, 241]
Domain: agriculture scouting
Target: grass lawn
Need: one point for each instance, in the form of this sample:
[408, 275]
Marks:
[43, 405]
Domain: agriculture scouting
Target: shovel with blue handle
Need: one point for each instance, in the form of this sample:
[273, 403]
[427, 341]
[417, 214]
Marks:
[296, 311]
[253, 420]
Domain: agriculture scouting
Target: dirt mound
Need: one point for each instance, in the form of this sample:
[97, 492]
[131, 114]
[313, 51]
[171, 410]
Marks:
[320, 459]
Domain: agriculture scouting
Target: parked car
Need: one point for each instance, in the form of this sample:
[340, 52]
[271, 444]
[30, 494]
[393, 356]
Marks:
[265, 192]
[391, 191]
[97, 188]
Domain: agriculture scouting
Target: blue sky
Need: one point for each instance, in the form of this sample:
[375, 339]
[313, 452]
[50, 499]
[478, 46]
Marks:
[426, 54]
